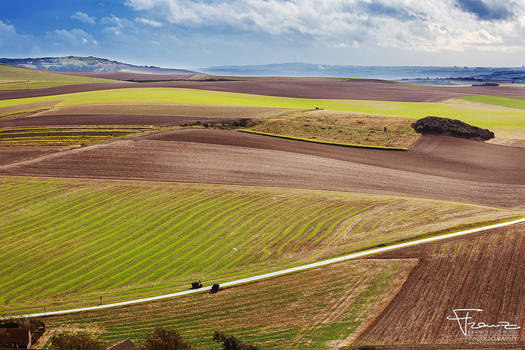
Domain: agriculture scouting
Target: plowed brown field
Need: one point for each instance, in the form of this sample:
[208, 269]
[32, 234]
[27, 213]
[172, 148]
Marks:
[433, 155]
[300, 88]
[11, 154]
[440, 167]
[136, 114]
[484, 271]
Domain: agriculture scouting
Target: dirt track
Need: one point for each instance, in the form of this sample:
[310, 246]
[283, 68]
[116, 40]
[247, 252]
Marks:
[304, 166]
[484, 271]
[300, 88]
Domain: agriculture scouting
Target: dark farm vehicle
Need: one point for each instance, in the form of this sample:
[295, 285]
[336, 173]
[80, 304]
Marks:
[196, 285]
[214, 289]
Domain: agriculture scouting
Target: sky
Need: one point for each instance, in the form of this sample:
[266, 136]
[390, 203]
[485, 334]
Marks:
[202, 33]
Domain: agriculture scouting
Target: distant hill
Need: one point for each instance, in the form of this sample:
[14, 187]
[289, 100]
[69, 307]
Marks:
[87, 64]
[372, 72]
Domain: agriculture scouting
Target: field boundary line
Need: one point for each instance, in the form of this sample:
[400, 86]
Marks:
[290, 270]
[74, 150]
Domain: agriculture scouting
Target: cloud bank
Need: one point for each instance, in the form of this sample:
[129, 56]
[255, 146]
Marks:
[422, 25]
[83, 17]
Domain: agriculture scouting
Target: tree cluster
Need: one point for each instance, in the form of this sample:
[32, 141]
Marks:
[159, 339]
[454, 127]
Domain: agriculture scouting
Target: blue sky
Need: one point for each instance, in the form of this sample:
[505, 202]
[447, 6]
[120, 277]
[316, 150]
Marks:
[199, 33]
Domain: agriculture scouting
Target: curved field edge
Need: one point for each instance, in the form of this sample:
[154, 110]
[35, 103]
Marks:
[67, 243]
[315, 309]
[340, 127]
[16, 78]
[64, 135]
[496, 100]
[324, 142]
[479, 114]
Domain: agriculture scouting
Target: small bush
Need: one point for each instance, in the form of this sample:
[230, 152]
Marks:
[439, 125]
[229, 342]
[164, 339]
[75, 342]
[233, 124]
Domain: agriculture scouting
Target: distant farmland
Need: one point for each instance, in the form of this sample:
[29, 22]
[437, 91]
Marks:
[316, 309]
[481, 114]
[13, 78]
[69, 242]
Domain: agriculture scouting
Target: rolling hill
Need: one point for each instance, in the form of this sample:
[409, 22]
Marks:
[86, 64]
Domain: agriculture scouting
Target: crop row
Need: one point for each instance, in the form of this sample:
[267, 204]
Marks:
[331, 301]
[85, 239]
[63, 135]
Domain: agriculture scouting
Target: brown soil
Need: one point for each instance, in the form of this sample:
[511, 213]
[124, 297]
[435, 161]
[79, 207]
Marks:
[301, 88]
[11, 154]
[482, 271]
[135, 114]
[433, 155]
[439, 167]
[36, 106]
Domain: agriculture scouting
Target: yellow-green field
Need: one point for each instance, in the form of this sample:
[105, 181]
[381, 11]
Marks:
[67, 242]
[65, 136]
[498, 101]
[317, 309]
[14, 78]
[480, 114]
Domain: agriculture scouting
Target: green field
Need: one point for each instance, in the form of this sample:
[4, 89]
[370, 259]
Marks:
[480, 114]
[59, 136]
[312, 309]
[14, 78]
[67, 242]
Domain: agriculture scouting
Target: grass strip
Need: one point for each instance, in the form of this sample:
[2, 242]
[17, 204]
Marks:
[325, 142]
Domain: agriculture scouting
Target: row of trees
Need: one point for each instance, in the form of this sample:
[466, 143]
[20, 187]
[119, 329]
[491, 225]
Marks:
[159, 339]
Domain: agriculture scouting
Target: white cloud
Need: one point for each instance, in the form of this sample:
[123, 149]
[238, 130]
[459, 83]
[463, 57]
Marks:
[83, 17]
[149, 22]
[116, 25]
[115, 21]
[11, 40]
[6, 28]
[428, 25]
[7, 33]
[74, 38]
